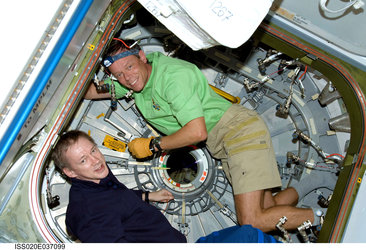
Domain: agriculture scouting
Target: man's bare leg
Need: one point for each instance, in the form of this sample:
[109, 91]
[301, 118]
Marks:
[288, 196]
[252, 208]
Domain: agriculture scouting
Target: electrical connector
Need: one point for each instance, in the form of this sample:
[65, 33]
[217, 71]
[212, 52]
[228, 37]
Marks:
[355, 4]
[358, 4]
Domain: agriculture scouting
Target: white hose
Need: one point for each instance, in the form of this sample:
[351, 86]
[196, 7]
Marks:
[356, 4]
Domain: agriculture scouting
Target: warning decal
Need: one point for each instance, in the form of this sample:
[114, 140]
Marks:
[114, 144]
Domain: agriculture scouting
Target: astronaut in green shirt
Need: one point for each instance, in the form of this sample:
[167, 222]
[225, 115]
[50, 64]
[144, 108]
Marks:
[174, 96]
[176, 93]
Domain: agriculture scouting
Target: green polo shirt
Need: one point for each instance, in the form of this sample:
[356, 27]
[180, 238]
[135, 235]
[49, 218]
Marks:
[176, 93]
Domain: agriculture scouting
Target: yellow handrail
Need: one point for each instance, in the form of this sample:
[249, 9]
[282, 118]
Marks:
[227, 96]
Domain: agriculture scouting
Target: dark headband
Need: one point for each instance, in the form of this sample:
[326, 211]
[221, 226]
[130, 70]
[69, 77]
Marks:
[109, 60]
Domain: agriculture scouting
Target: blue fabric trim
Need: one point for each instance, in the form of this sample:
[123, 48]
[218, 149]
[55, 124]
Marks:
[273, 240]
[238, 234]
[260, 236]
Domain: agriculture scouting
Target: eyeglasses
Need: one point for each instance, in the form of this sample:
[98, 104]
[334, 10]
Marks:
[109, 60]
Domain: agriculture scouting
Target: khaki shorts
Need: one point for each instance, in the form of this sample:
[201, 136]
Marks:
[242, 142]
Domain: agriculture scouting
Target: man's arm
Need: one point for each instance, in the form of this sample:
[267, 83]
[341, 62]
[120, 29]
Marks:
[93, 94]
[162, 195]
[193, 132]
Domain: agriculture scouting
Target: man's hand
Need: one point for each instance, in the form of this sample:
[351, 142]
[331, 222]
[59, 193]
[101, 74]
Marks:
[162, 195]
[140, 147]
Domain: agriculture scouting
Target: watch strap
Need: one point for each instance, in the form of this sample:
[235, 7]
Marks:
[155, 143]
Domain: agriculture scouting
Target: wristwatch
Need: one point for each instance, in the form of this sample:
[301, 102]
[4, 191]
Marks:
[155, 143]
[147, 197]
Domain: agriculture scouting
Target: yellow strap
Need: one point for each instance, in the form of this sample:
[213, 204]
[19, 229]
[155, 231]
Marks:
[100, 115]
[227, 96]
[245, 138]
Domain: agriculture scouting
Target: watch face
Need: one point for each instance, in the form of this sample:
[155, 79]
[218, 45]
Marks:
[156, 143]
